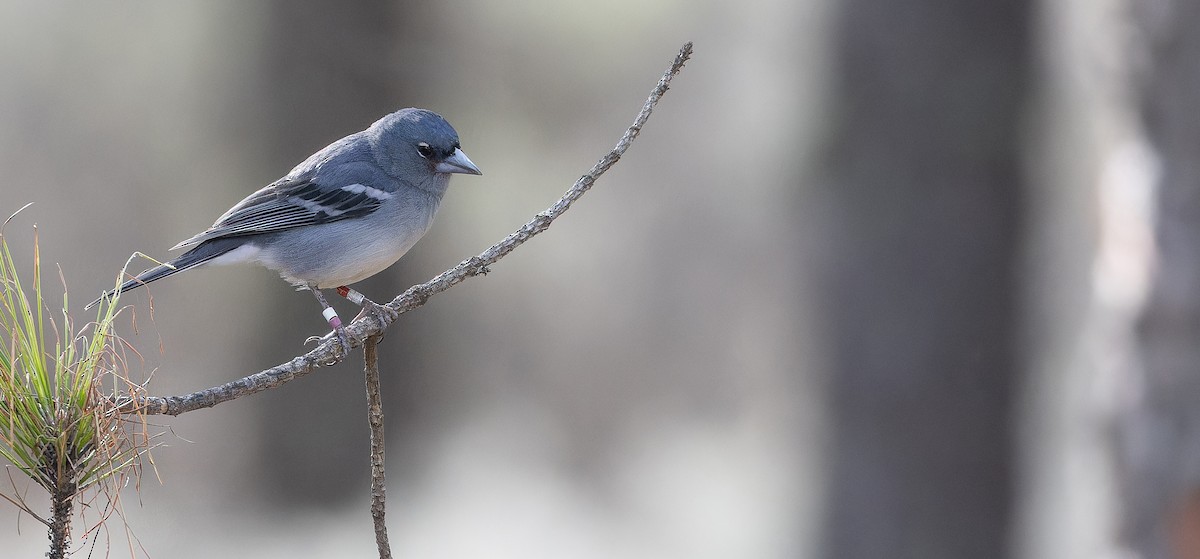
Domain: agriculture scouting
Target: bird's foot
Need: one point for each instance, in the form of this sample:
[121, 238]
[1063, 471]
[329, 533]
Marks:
[383, 313]
[386, 315]
[339, 333]
[343, 340]
[331, 316]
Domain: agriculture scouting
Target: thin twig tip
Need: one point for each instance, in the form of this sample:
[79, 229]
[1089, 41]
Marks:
[685, 53]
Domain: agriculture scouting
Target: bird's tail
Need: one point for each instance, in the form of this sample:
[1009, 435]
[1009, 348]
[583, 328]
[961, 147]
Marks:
[186, 261]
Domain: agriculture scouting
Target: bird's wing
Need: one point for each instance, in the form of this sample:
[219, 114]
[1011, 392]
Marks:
[289, 203]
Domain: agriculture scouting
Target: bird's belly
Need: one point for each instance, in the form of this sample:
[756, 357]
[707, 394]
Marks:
[337, 254]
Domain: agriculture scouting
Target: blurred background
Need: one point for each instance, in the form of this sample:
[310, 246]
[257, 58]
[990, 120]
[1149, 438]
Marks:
[880, 279]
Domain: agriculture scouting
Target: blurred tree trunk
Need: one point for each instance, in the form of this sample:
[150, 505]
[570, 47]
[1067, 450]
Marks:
[328, 69]
[1087, 269]
[1160, 432]
[921, 203]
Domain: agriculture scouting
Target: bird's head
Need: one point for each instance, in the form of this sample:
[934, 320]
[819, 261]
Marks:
[416, 144]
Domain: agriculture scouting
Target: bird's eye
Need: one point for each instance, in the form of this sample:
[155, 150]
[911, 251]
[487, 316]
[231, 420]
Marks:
[424, 150]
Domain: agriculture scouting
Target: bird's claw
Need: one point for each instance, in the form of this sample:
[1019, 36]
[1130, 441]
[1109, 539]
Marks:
[343, 340]
[383, 313]
[340, 334]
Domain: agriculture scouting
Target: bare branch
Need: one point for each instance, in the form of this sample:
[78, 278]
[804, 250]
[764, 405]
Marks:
[375, 419]
[327, 352]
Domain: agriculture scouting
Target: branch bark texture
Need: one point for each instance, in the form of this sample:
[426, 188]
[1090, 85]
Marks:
[375, 419]
[62, 505]
[327, 352]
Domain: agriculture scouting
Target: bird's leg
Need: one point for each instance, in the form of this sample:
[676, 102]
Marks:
[332, 317]
[386, 315]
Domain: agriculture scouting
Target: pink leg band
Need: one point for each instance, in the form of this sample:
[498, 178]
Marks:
[332, 316]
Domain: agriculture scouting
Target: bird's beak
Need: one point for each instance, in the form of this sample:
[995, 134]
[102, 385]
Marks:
[458, 162]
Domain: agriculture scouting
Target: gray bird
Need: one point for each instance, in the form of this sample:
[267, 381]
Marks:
[345, 214]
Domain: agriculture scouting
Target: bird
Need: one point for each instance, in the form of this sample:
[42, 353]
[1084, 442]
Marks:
[344, 214]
